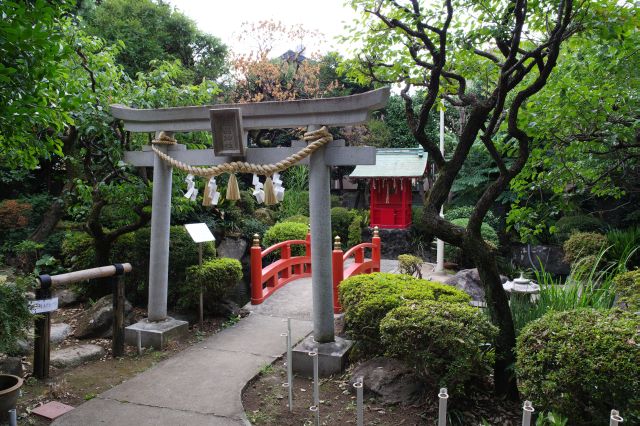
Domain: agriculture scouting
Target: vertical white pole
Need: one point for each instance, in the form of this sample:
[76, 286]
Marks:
[615, 418]
[440, 243]
[13, 417]
[442, 407]
[359, 401]
[289, 365]
[527, 410]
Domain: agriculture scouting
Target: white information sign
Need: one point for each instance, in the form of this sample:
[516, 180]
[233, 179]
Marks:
[43, 305]
[199, 232]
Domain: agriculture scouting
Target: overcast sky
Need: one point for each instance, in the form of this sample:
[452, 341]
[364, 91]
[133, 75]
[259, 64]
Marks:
[224, 18]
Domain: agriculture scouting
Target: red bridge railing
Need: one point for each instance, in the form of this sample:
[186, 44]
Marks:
[266, 280]
[360, 265]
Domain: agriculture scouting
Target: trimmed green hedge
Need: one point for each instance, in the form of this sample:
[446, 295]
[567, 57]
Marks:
[567, 225]
[78, 253]
[217, 277]
[464, 212]
[284, 231]
[446, 343]
[583, 244]
[341, 218]
[627, 288]
[298, 218]
[582, 363]
[366, 299]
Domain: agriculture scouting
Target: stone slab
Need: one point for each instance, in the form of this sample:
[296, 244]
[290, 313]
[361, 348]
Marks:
[76, 355]
[332, 357]
[100, 411]
[155, 334]
[59, 332]
[52, 410]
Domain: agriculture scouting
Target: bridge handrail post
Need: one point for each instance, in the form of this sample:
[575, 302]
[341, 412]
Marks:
[338, 272]
[377, 248]
[256, 271]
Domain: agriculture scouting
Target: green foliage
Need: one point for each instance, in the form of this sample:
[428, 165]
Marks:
[251, 226]
[297, 219]
[294, 203]
[583, 244]
[247, 202]
[457, 255]
[446, 343]
[410, 265]
[155, 31]
[581, 364]
[627, 288]
[296, 178]
[15, 317]
[366, 299]
[625, 244]
[284, 231]
[216, 278]
[464, 212]
[341, 219]
[567, 225]
[78, 253]
[265, 216]
[355, 230]
[478, 171]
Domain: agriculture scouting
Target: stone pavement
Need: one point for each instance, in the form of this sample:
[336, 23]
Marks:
[202, 385]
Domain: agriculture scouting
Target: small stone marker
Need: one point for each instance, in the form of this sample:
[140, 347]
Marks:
[52, 410]
[226, 125]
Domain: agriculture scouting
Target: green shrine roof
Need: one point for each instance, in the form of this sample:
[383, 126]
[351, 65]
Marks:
[394, 162]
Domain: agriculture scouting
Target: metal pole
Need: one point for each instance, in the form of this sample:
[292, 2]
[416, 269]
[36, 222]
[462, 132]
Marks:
[139, 336]
[159, 254]
[359, 401]
[321, 247]
[316, 388]
[201, 312]
[13, 417]
[527, 410]
[442, 407]
[289, 365]
[615, 418]
[440, 243]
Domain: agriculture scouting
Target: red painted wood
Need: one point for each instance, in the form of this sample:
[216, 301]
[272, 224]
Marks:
[394, 210]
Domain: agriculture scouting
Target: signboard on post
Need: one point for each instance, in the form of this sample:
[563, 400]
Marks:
[226, 125]
[43, 305]
[199, 232]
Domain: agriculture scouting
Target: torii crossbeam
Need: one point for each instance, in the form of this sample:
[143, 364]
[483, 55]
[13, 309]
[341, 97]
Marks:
[312, 113]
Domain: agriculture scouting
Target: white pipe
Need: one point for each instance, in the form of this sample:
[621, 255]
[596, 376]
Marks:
[316, 388]
[442, 407]
[440, 243]
[13, 417]
[289, 365]
[527, 410]
[615, 418]
[360, 401]
[139, 338]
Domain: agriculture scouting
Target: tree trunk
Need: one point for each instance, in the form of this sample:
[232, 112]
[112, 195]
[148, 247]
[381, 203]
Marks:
[500, 313]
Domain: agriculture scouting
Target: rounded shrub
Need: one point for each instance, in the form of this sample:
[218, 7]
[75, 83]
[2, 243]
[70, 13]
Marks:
[247, 202]
[567, 225]
[298, 218]
[464, 212]
[446, 343]
[366, 299]
[284, 231]
[354, 236]
[455, 254]
[216, 277]
[251, 226]
[410, 264]
[265, 216]
[627, 288]
[583, 244]
[582, 364]
[341, 218]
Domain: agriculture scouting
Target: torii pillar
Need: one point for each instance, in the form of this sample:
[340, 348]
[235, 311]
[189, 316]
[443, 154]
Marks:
[312, 113]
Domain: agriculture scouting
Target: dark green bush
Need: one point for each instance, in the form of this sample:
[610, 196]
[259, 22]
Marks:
[284, 231]
[366, 299]
[583, 244]
[297, 219]
[627, 288]
[247, 202]
[446, 343]
[567, 225]
[455, 254]
[582, 363]
[251, 226]
[294, 202]
[341, 218]
[15, 317]
[464, 212]
[78, 253]
[216, 277]
[355, 231]
[265, 216]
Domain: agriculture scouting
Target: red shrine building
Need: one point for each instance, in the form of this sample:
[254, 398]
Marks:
[391, 182]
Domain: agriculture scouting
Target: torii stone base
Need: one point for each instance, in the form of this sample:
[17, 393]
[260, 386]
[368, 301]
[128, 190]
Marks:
[155, 334]
[332, 356]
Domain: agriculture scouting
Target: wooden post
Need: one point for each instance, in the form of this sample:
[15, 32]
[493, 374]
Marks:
[338, 272]
[41, 352]
[117, 342]
[256, 271]
[285, 253]
[376, 252]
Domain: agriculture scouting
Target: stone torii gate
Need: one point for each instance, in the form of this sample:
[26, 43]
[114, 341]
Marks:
[312, 113]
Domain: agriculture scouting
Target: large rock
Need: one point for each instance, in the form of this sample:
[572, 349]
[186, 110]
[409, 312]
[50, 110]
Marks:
[389, 379]
[11, 365]
[76, 355]
[97, 320]
[233, 248]
[550, 257]
[468, 280]
[59, 332]
[66, 297]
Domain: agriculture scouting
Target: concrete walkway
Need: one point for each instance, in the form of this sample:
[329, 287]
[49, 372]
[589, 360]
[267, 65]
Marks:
[201, 385]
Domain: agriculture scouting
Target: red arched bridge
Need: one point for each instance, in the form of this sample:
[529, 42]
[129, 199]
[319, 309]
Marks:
[265, 280]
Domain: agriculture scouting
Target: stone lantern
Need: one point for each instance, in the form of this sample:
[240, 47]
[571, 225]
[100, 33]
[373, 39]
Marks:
[522, 287]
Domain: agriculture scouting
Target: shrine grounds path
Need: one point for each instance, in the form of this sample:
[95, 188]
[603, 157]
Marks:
[202, 385]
